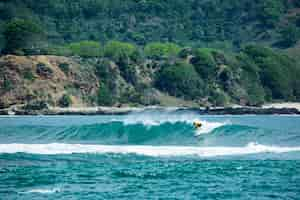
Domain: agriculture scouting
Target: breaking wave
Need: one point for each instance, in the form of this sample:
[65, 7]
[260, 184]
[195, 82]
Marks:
[57, 148]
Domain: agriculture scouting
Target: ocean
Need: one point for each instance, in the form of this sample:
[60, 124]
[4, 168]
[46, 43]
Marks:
[154, 154]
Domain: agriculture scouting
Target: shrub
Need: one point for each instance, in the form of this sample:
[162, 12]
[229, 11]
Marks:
[250, 81]
[276, 71]
[257, 52]
[276, 78]
[289, 36]
[225, 77]
[106, 74]
[7, 84]
[86, 49]
[28, 75]
[65, 101]
[104, 97]
[204, 63]
[59, 51]
[270, 11]
[218, 98]
[120, 51]
[65, 67]
[128, 72]
[185, 52]
[180, 80]
[159, 50]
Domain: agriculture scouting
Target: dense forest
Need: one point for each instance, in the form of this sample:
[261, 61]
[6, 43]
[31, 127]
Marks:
[213, 23]
[208, 52]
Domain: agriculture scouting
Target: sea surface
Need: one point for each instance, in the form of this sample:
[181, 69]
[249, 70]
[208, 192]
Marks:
[152, 154]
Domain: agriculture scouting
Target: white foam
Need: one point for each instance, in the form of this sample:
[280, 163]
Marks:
[58, 148]
[156, 119]
[208, 127]
[42, 191]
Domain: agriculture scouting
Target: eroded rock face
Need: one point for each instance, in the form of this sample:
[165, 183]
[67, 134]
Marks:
[25, 79]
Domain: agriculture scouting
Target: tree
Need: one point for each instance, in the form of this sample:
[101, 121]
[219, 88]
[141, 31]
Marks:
[21, 35]
[180, 80]
[204, 63]
[289, 36]
[270, 12]
[158, 50]
[86, 49]
[120, 51]
[250, 81]
[276, 71]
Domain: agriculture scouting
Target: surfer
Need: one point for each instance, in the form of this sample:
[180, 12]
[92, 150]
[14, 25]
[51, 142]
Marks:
[197, 124]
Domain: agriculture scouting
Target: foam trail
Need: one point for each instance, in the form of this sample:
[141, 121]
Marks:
[59, 148]
[42, 191]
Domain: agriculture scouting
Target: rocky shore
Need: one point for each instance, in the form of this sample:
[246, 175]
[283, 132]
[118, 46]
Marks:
[235, 110]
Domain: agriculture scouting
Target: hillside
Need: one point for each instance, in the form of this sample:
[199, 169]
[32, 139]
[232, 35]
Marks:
[196, 77]
[212, 23]
[147, 52]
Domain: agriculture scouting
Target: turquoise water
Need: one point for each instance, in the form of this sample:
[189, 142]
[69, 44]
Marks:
[150, 155]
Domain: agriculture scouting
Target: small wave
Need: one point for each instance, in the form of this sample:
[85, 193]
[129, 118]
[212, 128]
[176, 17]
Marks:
[42, 191]
[59, 148]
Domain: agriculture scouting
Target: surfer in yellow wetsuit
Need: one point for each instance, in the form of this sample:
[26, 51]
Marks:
[197, 124]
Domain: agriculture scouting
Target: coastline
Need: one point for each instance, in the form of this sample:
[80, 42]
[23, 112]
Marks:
[267, 109]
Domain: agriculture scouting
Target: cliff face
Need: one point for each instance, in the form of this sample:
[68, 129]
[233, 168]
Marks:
[32, 80]
[204, 77]
[45, 78]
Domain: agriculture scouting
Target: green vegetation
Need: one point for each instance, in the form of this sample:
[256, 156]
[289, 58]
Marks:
[158, 50]
[21, 35]
[58, 51]
[289, 36]
[250, 80]
[120, 51]
[204, 63]
[7, 84]
[86, 49]
[277, 72]
[194, 50]
[65, 67]
[270, 11]
[180, 80]
[107, 89]
[189, 22]
[65, 101]
[104, 97]
[28, 75]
